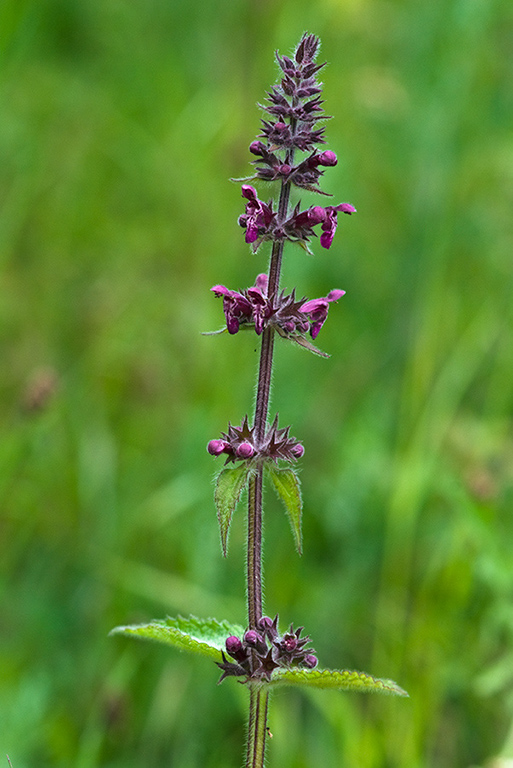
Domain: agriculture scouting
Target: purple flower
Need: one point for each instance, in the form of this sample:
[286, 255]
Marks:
[258, 216]
[249, 306]
[317, 310]
[329, 224]
[300, 225]
[236, 307]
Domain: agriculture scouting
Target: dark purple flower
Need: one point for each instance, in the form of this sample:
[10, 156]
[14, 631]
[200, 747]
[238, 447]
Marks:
[329, 225]
[310, 661]
[258, 216]
[317, 310]
[249, 306]
[236, 307]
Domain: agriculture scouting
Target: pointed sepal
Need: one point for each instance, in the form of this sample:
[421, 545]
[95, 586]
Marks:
[336, 679]
[230, 483]
[205, 637]
[287, 486]
[298, 338]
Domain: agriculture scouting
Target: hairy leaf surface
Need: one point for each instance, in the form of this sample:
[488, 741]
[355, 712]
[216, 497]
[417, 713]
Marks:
[286, 483]
[338, 679]
[229, 485]
[205, 637]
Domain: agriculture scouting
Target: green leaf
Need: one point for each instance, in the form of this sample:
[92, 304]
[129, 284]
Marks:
[229, 486]
[205, 637]
[286, 483]
[338, 679]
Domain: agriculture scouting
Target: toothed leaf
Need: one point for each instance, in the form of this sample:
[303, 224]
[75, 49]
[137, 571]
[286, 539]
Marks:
[286, 484]
[338, 679]
[229, 485]
[205, 637]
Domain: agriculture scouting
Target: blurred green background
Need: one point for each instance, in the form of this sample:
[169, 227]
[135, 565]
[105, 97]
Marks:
[120, 125]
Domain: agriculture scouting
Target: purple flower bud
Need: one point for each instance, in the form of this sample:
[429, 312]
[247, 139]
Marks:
[216, 447]
[297, 450]
[251, 638]
[310, 661]
[265, 623]
[327, 158]
[233, 645]
[257, 148]
[285, 169]
[245, 451]
[249, 192]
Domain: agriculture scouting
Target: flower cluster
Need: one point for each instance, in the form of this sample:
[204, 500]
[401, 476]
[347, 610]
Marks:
[253, 307]
[294, 107]
[261, 223]
[239, 443]
[260, 652]
[294, 104]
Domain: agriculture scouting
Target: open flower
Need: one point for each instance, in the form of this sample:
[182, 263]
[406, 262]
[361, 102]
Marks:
[249, 306]
[329, 225]
[258, 216]
[317, 310]
[300, 225]
[236, 307]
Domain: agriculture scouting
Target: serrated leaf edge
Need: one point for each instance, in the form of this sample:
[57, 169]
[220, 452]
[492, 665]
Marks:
[328, 679]
[178, 637]
[297, 533]
[225, 522]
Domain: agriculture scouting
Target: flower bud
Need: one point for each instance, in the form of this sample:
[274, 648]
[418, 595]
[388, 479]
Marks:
[285, 169]
[327, 158]
[297, 450]
[234, 648]
[256, 641]
[257, 148]
[216, 447]
[310, 661]
[245, 451]
[266, 625]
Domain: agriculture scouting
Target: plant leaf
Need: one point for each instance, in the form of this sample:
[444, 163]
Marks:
[336, 679]
[205, 637]
[229, 486]
[287, 486]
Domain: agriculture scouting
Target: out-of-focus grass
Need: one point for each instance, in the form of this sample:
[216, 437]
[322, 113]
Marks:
[120, 125]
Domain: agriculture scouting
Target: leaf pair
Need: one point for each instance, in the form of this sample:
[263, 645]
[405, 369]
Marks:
[230, 483]
[206, 637]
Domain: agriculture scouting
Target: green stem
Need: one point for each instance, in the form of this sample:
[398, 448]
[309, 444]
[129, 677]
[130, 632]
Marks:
[257, 727]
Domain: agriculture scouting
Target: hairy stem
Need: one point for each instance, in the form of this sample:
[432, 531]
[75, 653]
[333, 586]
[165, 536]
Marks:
[257, 727]
[259, 697]
[254, 551]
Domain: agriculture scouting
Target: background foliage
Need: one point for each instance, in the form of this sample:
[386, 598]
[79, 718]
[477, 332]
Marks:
[121, 123]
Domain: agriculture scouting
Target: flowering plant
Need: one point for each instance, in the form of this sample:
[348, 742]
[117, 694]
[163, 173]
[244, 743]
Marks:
[258, 654]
